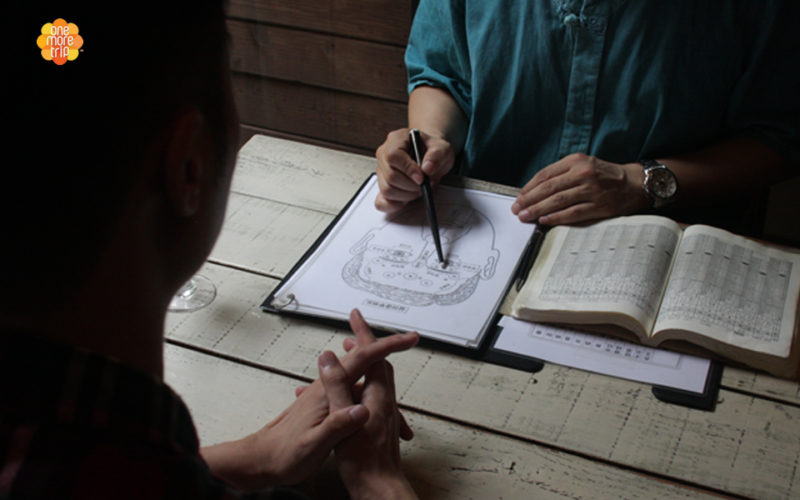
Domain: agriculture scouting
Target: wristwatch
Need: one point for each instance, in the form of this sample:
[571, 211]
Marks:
[660, 183]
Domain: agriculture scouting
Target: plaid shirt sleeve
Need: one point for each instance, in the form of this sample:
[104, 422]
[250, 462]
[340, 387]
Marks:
[77, 425]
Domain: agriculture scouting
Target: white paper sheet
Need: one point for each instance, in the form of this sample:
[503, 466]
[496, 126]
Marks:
[387, 265]
[603, 355]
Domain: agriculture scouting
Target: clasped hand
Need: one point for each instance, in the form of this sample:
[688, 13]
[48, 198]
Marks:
[361, 421]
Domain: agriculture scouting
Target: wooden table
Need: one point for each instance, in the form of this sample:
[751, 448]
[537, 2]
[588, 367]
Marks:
[482, 431]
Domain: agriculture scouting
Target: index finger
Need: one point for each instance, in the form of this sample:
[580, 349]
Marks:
[549, 172]
[335, 380]
[362, 357]
[397, 154]
[360, 327]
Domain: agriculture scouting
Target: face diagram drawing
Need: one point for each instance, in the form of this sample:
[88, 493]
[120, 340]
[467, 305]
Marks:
[398, 261]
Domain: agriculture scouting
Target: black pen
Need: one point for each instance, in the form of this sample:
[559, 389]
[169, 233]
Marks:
[530, 255]
[427, 193]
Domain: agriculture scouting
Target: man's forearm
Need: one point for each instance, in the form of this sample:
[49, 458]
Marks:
[434, 111]
[231, 462]
[726, 169]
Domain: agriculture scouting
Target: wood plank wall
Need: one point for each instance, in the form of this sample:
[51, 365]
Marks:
[329, 72]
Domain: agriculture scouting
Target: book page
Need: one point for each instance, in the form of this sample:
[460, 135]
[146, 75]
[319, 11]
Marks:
[619, 265]
[734, 290]
[387, 266]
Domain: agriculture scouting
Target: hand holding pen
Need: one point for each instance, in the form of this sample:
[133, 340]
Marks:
[400, 177]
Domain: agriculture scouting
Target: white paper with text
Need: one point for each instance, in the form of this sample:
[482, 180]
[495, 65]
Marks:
[599, 354]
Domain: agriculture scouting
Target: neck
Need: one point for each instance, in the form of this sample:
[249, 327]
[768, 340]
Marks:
[118, 311]
[124, 332]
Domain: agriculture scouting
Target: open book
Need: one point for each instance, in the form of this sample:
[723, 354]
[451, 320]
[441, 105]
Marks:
[731, 295]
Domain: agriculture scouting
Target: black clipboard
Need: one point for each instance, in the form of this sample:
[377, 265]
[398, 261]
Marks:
[483, 351]
[706, 400]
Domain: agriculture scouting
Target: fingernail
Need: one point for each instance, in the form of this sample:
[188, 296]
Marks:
[427, 166]
[417, 177]
[358, 412]
[515, 207]
[326, 360]
[524, 214]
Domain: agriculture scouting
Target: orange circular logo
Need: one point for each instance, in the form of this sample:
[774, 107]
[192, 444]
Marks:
[60, 41]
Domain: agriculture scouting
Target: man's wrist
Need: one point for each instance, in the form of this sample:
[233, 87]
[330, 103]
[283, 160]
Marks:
[660, 183]
[388, 487]
[241, 463]
[635, 179]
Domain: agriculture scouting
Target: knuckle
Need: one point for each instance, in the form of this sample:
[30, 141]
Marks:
[577, 157]
[575, 212]
[585, 172]
[395, 157]
[542, 176]
[585, 191]
[390, 177]
[395, 180]
[548, 188]
[559, 199]
[382, 184]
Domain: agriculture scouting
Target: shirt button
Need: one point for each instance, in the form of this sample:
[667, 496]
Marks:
[571, 20]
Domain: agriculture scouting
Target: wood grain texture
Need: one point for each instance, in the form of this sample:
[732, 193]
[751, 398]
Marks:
[250, 244]
[747, 446]
[444, 460]
[761, 384]
[308, 177]
[750, 445]
[328, 115]
[321, 60]
[386, 21]
[246, 132]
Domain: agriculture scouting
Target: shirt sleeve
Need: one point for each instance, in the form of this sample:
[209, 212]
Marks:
[437, 53]
[765, 103]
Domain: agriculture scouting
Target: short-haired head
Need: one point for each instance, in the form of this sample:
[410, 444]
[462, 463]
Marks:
[80, 131]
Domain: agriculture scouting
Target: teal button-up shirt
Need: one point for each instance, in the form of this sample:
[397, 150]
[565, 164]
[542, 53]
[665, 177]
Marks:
[621, 80]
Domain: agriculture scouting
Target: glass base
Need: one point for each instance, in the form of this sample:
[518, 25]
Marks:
[195, 294]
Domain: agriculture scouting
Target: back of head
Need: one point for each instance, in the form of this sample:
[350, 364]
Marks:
[80, 128]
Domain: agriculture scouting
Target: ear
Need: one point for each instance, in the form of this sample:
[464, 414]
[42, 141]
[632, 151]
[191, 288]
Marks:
[491, 264]
[184, 163]
[361, 245]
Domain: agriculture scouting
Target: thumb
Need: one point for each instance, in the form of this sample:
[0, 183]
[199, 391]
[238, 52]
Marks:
[437, 162]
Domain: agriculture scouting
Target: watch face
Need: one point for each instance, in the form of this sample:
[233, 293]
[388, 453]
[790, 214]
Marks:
[661, 183]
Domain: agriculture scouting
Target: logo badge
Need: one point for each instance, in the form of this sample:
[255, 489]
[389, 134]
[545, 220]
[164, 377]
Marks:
[60, 41]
